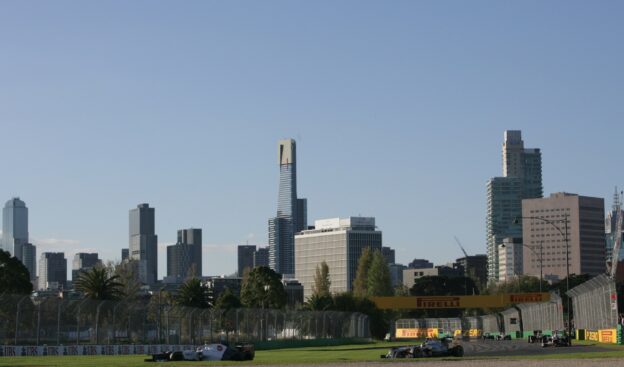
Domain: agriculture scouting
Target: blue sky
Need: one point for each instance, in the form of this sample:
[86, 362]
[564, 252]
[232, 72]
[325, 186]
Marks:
[398, 109]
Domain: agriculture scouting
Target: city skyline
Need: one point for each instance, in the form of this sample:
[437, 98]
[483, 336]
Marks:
[397, 112]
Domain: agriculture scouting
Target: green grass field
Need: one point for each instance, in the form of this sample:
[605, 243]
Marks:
[312, 355]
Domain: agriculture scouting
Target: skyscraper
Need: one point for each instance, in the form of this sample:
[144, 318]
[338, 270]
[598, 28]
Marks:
[15, 234]
[245, 258]
[339, 242]
[522, 179]
[82, 262]
[14, 226]
[291, 212]
[261, 257]
[585, 235]
[185, 257]
[144, 242]
[52, 270]
[610, 228]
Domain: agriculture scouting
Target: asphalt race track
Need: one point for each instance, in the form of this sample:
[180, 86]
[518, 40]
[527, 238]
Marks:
[495, 348]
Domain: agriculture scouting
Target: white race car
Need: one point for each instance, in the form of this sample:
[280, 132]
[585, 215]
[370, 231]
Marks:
[208, 352]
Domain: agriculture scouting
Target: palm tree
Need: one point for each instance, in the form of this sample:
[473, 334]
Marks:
[96, 284]
[192, 294]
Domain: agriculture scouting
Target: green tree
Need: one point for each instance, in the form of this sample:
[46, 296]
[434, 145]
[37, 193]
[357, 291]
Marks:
[192, 294]
[319, 302]
[14, 277]
[520, 284]
[227, 301]
[360, 283]
[379, 282]
[321, 280]
[262, 287]
[128, 273]
[97, 284]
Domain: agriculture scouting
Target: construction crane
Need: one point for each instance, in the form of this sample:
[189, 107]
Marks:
[460, 246]
[617, 238]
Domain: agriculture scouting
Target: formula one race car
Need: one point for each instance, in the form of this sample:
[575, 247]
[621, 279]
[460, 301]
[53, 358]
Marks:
[430, 348]
[208, 352]
[558, 339]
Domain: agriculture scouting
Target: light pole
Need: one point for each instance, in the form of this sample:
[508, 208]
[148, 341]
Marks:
[263, 323]
[565, 237]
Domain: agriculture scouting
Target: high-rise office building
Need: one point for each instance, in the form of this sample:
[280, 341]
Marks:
[245, 258]
[338, 242]
[261, 257]
[291, 212]
[52, 270]
[522, 179]
[185, 257]
[144, 242]
[15, 234]
[611, 226]
[510, 259]
[585, 233]
[396, 274]
[504, 205]
[29, 258]
[420, 264]
[389, 254]
[125, 254]
[82, 262]
[474, 267]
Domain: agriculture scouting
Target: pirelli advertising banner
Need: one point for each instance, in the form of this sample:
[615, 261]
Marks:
[436, 302]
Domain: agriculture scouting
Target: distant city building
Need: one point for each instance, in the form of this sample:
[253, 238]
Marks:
[474, 267]
[411, 275]
[388, 254]
[291, 212]
[420, 264]
[125, 254]
[218, 285]
[52, 271]
[338, 242]
[610, 229]
[15, 234]
[144, 243]
[29, 258]
[510, 253]
[245, 258]
[294, 293]
[261, 257]
[184, 259]
[396, 274]
[586, 235]
[522, 179]
[83, 262]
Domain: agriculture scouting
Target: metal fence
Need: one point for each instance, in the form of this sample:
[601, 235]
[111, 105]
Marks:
[490, 324]
[511, 321]
[25, 320]
[594, 304]
[545, 316]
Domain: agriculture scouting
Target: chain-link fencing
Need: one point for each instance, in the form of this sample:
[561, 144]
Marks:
[26, 320]
[545, 317]
[594, 304]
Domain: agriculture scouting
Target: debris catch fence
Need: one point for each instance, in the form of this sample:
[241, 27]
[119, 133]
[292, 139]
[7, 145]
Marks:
[26, 320]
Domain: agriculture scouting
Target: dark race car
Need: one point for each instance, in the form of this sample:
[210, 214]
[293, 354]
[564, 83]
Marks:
[430, 348]
[208, 352]
[558, 339]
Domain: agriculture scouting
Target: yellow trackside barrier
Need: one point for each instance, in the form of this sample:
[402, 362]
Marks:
[438, 302]
[416, 333]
